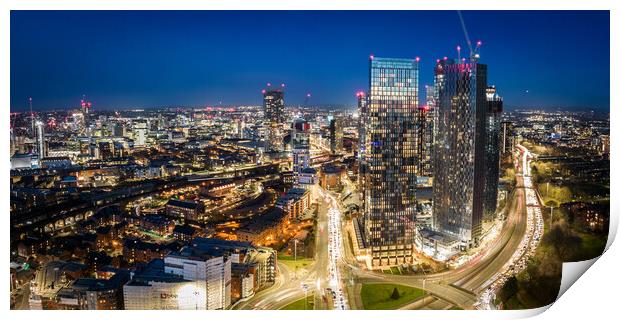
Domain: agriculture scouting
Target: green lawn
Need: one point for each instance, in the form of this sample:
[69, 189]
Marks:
[290, 262]
[378, 296]
[591, 246]
[300, 305]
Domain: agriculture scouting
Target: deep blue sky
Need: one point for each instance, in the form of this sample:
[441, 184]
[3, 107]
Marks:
[155, 58]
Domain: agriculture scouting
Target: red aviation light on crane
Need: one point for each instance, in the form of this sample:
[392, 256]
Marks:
[359, 94]
[263, 91]
[479, 43]
[308, 95]
[417, 59]
[372, 56]
[283, 85]
[269, 84]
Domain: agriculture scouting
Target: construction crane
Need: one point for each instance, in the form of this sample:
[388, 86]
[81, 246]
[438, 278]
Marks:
[474, 53]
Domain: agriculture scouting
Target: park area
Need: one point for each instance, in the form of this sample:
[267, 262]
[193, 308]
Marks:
[387, 296]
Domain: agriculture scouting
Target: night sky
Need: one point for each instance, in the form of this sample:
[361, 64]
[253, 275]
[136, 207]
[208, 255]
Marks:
[122, 59]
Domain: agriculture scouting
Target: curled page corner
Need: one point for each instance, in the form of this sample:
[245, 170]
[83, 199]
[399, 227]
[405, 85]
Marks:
[571, 271]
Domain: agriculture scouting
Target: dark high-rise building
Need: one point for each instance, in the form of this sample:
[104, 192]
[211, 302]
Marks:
[274, 117]
[459, 182]
[495, 106]
[506, 137]
[335, 135]
[391, 160]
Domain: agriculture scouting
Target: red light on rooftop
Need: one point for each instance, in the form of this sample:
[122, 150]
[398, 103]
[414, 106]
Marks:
[479, 43]
[438, 60]
[283, 85]
[263, 91]
[417, 59]
[269, 84]
[308, 95]
[372, 57]
[445, 58]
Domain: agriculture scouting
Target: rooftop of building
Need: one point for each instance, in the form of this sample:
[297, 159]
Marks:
[117, 280]
[183, 204]
[267, 220]
[154, 271]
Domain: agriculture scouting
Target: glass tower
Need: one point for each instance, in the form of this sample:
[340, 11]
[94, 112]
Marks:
[495, 107]
[391, 160]
[458, 185]
[301, 146]
[274, 118]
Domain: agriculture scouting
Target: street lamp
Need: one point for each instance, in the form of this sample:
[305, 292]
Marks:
[423, 291]
[305, 288]
[423, 286]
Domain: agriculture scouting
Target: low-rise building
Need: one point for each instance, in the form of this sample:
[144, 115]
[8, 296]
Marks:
[184, 210]
[295, 202]
[265, 229]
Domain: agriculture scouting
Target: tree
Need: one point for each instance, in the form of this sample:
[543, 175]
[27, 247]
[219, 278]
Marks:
[395, 294]
[563, 240]
[509, 289]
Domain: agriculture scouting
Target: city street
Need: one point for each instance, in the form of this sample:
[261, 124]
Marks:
[459, 287]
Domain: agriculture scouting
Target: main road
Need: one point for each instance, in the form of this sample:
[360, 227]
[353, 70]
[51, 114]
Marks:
[460, 287]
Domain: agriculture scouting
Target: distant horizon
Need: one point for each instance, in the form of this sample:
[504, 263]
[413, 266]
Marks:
[321, 106]
[150, 58]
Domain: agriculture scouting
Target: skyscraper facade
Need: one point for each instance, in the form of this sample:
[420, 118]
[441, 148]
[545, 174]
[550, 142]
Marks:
[274, 118]
[391, 160]
[458, 187]
[506, 137]
[301, 146]
[426, 118]
[335, 135]
[40, 135]
[495, 106]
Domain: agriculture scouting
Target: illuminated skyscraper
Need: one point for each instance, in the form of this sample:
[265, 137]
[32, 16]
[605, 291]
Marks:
[41, 146]
[301, 146]
[506, 137]
[495, 106]
[274, 117]
[335, 135]
[140, 132]
[391, 160]
[458, 187]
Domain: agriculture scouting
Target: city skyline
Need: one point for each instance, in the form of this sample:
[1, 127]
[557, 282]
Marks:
[132, 60]
[426, 195]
